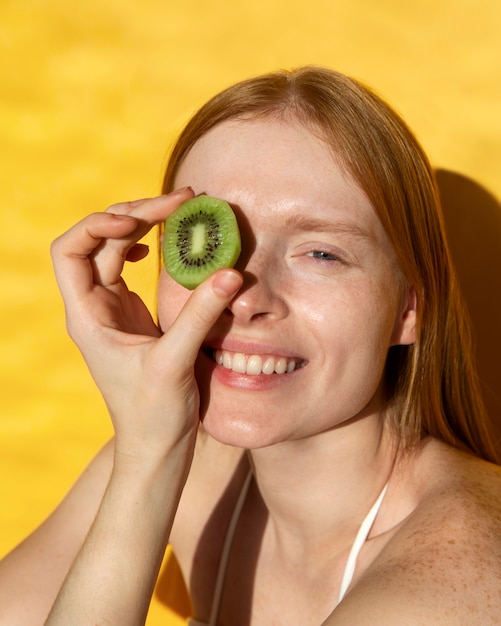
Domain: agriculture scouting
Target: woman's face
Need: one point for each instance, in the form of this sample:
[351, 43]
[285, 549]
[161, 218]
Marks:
[322, 299]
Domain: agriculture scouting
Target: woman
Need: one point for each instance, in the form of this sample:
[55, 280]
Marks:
[352, 488]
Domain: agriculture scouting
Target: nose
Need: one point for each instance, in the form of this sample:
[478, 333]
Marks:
[260, 298]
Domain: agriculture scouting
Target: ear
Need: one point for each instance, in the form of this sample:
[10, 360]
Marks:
[405, 331]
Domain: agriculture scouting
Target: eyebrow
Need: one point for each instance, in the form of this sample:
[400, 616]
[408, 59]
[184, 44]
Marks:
[310, 224]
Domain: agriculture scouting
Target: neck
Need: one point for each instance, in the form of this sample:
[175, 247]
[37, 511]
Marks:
[325, 483]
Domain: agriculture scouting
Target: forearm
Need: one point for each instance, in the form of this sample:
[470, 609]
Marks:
[140, 370]
[33, 572]
[113, 576]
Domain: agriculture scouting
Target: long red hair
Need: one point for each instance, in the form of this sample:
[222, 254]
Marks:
[432, 385]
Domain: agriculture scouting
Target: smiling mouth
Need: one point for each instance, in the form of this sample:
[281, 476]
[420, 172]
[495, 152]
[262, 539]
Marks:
[256, 364]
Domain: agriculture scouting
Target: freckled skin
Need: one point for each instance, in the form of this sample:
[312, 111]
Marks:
[319, 284]
[329, 313]
[434, 551]
[444, 564]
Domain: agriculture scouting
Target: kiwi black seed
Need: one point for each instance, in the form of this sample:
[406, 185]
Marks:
[200, 237]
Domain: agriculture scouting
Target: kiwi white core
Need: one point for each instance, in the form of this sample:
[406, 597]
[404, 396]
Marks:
[198, 238]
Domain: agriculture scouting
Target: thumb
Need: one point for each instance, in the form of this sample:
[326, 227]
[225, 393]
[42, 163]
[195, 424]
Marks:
[200, 313]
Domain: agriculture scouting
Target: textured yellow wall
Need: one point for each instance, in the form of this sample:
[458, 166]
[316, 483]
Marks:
[91, 96]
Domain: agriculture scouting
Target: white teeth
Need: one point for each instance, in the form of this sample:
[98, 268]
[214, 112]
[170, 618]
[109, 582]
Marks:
[227, 360]
[269, 365]
[255, 364]
[239, 363]
[281, 365]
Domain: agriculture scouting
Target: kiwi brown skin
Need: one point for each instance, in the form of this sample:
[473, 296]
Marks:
[200, 237]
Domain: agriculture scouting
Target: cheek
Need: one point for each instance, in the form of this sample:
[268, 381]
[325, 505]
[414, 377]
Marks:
[171, 299]
[356, 322]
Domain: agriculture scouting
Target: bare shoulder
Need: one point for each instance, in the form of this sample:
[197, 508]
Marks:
[442, 564]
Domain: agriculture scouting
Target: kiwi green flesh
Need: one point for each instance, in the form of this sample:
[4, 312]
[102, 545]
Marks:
[200, 237]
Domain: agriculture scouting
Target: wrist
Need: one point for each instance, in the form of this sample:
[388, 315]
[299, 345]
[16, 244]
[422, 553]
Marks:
[138, 460]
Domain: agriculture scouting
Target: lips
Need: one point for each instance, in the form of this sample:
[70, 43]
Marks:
[256, 364]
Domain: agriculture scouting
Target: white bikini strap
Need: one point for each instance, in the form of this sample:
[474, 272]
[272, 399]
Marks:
[360, 539]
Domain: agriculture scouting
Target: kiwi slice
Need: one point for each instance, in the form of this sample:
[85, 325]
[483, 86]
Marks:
[200, 237]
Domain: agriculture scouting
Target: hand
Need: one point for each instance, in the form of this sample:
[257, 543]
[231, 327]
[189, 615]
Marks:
[146, 378]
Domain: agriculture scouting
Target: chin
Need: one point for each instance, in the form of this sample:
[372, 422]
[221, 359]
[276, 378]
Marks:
[232, 415]
[236, 429]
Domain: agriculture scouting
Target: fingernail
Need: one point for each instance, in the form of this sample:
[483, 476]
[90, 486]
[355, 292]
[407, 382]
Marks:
[227, 283]
[182, 190]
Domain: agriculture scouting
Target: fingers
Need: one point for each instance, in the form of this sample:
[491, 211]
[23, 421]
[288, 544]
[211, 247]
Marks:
[199, 315]
[95, 249]
[71, 252]
[109, 257]
[138, 252]
[153, 210]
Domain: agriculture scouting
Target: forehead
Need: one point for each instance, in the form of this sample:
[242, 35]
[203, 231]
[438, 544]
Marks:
[277, 167]
[257, 146]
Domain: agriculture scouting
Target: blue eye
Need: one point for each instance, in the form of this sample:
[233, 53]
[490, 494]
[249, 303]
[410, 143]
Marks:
[323, 256]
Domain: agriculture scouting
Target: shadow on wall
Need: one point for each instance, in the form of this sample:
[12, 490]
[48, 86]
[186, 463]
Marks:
[473, 223]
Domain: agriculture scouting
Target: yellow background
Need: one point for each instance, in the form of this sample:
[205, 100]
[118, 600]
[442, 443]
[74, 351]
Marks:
[91, 96]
